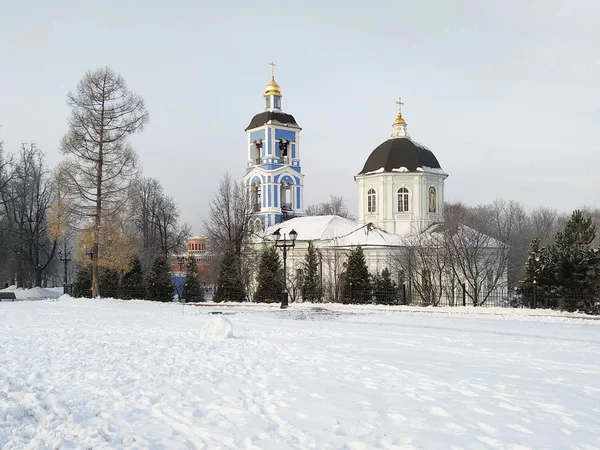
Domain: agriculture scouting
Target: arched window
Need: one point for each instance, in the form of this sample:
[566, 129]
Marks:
[286, 197]
[256, 151]
[403, 200]
[371, 201]
[256, 197]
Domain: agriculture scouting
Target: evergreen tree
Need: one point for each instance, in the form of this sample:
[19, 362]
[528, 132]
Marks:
[573, 263]
[311, 287]
[159, 283]
[269, 279]
[538, 267]
[192, 291]
[356, 285]
[82, 286]
[132, 284]
[230, 285]
[110, 279]
[384, 289]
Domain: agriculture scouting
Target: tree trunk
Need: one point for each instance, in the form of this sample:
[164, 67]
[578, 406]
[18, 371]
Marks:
[38, 276]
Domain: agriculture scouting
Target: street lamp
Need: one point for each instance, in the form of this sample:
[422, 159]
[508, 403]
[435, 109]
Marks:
[66, 259]
[284, 245]
[180, 261]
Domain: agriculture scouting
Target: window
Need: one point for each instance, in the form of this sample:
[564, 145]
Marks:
[371, 201]
[256, 151]
[256, 197]
[286, 197]
[402, 200]
[277, 102]
[283, 151]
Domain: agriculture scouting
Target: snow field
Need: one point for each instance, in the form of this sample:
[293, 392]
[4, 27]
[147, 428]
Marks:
[111, 374]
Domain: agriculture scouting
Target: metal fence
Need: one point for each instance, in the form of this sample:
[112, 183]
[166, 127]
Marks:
[464, 295]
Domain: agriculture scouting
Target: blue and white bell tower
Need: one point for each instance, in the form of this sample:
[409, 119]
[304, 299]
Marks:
[273, 179]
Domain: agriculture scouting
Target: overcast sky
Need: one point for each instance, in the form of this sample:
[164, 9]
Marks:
[505, 93]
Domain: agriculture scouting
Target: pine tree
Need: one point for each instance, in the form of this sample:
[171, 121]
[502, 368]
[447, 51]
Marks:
[192, 291]
[311, 287]
[573, 263]
[82, 286]
[132, 284]
[160, 285]
[538, 266]
[269, 279]
[384, 289]
[110, 281]
[356, 287]
[230, 285]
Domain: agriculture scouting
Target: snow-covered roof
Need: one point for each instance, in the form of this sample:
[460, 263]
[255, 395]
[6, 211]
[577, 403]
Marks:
[313, 228]
[469, 234]
[334, 231]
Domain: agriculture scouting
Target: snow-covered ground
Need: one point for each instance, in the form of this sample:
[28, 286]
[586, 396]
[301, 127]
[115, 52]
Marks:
[106, 374]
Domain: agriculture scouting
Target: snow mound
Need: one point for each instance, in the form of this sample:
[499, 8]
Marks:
[217, 329]
[37, 293]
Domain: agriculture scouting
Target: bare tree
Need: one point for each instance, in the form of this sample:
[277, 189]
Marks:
[27, 198]
[426, 261]
[225, 230]
[336, 206]
[100, 164]
[156, 219]
[226, 225]
[545, 224]
[5, 248]
[478, 260]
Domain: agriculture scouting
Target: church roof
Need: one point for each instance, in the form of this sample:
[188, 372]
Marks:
[278, 118]
[334, 231]
[401, 155]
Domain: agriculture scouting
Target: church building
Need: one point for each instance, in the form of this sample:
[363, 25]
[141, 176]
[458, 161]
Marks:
[400, 193]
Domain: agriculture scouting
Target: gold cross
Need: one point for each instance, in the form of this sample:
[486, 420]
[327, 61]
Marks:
[272, 64]
[399, 103]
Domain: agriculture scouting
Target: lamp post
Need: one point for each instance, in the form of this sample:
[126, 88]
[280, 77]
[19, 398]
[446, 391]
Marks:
[65, 258]
[284, 245]
[180, 261]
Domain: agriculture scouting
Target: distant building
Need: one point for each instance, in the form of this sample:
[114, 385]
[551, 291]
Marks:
[197, 250]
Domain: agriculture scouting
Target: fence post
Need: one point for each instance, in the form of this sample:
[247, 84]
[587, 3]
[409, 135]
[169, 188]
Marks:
[534, 295]
[464, 293]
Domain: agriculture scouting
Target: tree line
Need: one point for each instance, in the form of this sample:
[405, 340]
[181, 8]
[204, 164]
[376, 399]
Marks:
[477, 249]
[95, 206]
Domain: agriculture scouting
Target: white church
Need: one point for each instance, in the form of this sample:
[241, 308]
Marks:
[400, 190]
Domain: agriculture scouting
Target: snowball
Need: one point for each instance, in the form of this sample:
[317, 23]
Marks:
[217, 329]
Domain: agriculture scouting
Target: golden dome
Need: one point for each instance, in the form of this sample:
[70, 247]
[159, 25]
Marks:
[272, 88]
[399, 119]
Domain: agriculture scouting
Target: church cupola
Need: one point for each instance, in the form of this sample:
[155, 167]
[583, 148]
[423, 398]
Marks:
[399, 127]
[401, 185]
[272, 93]
[274, 179]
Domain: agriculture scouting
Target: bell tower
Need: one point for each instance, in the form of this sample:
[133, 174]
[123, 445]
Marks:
[274, 181]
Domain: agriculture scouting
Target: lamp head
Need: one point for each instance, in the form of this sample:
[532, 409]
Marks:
[293, 235]
[277, 234]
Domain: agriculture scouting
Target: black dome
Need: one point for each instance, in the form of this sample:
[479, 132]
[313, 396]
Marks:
[397, 153]
[264, 117]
